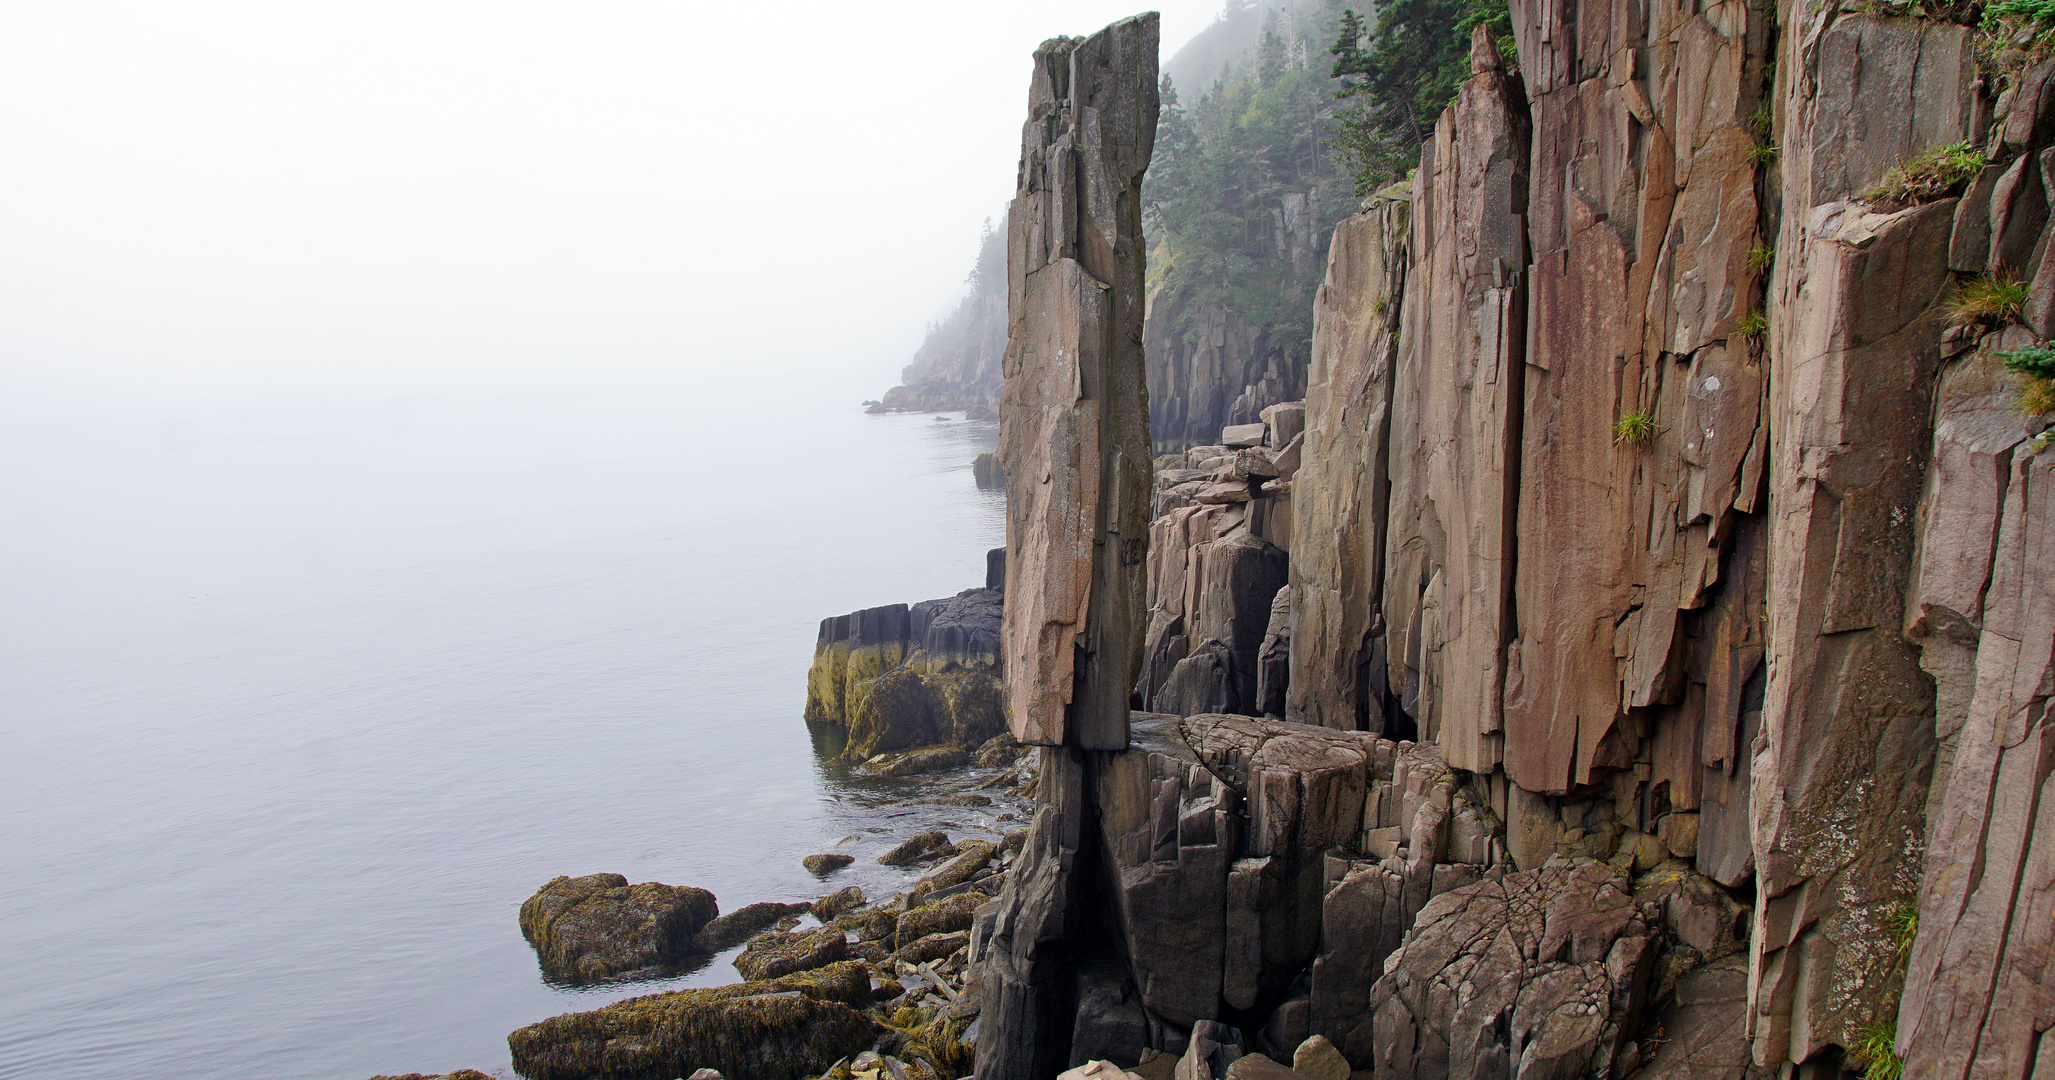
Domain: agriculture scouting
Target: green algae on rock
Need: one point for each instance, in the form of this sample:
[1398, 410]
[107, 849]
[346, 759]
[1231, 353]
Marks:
[770, 955]
[590, 928]
[780, 1029]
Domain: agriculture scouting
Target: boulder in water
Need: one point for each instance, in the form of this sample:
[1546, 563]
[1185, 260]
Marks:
[586, 929]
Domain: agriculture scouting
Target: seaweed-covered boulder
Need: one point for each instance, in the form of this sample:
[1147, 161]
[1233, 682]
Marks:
[770, 955]
[920, 848]
[460, 1074]
[782, 1029]
[739, 925]
[868, 924]
[835, 903]
[590, 928]
[932, 947]
[826, 863]
[943, 916]
[972, 856]
[922, 759]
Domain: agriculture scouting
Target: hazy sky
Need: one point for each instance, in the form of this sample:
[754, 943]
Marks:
[275, 199]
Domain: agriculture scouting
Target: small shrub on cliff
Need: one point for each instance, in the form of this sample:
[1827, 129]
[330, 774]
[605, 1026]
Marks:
[1635, 427]
[1762, 153]
[1753, 325]
[1935, 174]
[1991, 299]
[2036, 361]
[1761, 257]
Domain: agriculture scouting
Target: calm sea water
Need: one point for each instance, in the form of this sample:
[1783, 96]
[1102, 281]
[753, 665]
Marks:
[297, 707]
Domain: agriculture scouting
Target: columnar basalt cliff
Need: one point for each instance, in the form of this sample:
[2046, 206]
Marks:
[1651, 594]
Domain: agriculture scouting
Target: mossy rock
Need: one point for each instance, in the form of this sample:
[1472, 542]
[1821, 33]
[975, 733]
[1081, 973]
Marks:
[940, 917]
[781, 1029]
[846, 898]
[898, 710]
[921, 847]
[826, 863]
[924, 759]
[771, 955]
[739, 925]
[586, 929]
[868, 924]
[932, 947]
[972, 856]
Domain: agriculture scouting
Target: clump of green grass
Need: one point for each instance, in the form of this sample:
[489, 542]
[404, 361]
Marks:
[1929, 176]
[1763, 153]
[1903, 926]
[2036, 397]
[1761, 257]
[1983, 300]
[1763, 118]
[1874, 1049]
[1753, 325]
[1635, 427]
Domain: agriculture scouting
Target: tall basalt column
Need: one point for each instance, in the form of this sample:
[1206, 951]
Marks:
[1074, 426]
[1856, 303]
[1074, 442]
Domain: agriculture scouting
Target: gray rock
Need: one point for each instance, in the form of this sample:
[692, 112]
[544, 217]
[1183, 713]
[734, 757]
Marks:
[1236, 436]
[1213, 1049]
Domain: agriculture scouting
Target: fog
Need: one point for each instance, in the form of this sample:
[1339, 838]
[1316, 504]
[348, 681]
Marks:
[257, 202]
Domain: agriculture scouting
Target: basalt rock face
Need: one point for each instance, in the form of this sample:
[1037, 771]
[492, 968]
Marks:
[900, 676]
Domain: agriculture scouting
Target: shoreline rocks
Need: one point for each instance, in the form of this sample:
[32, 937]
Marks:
[596, 927]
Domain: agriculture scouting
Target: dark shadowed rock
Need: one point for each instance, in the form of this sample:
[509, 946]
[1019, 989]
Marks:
[590, 928]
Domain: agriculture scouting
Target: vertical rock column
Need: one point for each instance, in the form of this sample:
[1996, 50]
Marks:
[1338, 501]
[1456, 419]
[1841, 772]
[1074, 442]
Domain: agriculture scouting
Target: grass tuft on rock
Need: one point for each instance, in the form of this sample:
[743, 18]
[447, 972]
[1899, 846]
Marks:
[1987, 300]
[1933, 175]
[1875, 1051]
[1903, 926]
[2036, 397]
[1637, 428]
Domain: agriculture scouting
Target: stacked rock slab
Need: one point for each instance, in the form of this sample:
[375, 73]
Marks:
[1074, 446]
